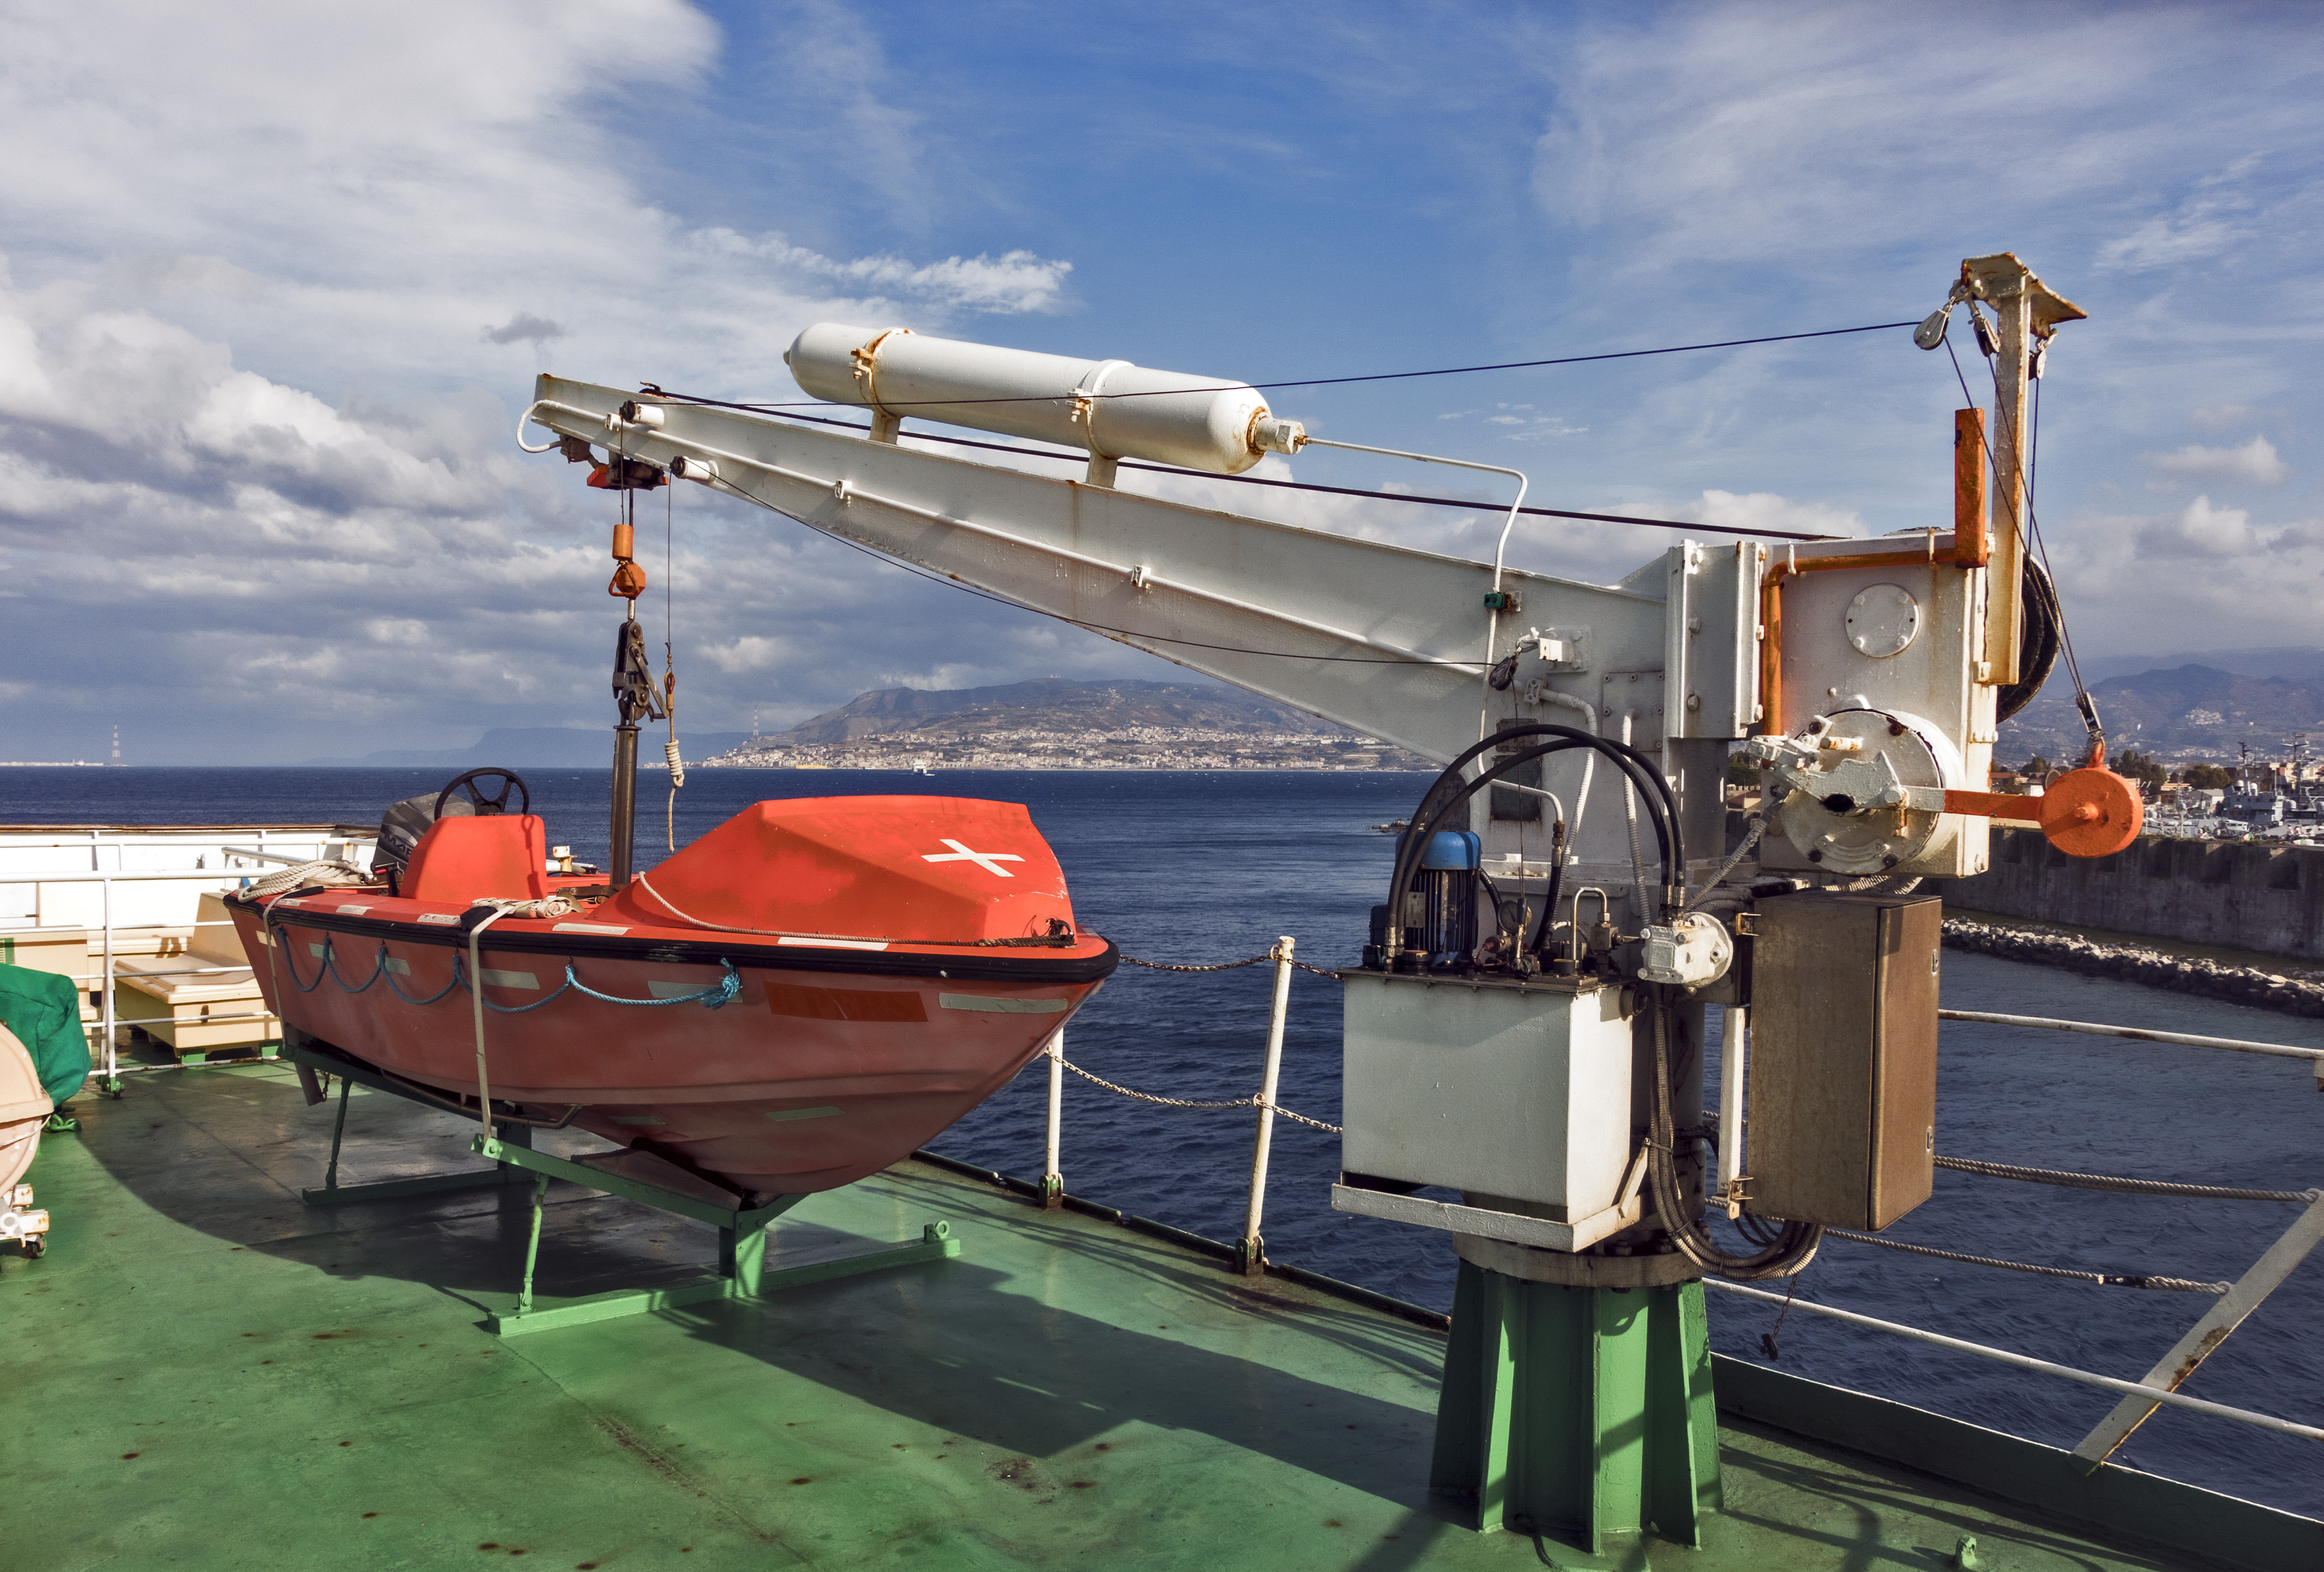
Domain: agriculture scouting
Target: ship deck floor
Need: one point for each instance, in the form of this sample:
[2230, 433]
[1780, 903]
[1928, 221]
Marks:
[204, 1372]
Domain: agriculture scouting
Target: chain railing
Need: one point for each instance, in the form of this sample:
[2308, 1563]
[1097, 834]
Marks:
[1250, 1248]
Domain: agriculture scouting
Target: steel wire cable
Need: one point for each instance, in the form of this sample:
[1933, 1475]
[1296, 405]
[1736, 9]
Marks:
[1078, 456]
[1075, 455]
[1457, 371]
[2103, 1279]
[2070, 1179]
[2034, 534]
[2101, 1181]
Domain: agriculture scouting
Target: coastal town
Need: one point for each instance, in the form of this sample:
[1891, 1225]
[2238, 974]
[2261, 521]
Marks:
[1062, 723]
[1034, 748]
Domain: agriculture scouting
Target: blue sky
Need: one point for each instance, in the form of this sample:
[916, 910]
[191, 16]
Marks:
[264, 502]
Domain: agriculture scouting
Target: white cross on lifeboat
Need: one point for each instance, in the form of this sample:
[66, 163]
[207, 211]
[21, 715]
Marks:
[990, 861]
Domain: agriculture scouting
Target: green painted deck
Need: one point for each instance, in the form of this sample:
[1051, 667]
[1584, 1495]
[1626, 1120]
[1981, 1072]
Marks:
[203, 1372]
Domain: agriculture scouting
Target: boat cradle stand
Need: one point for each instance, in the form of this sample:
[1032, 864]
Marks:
[741, 1272]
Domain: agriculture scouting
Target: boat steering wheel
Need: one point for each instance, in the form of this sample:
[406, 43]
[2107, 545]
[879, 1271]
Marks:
[478, 801]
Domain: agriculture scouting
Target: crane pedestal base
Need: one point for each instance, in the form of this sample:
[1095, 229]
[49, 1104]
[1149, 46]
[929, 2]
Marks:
[1584, 1414]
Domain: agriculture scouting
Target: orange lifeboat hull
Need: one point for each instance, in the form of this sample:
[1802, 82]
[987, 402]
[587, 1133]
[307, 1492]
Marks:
[799, 999]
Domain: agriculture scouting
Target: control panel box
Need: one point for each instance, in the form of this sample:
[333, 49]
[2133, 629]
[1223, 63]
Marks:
[1843, 1058]
[1517, 1092]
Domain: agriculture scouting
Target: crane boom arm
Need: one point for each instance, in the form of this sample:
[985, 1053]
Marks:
[1382, 638]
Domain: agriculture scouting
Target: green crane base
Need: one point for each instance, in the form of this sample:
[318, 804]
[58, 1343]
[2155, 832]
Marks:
[1581, 1412]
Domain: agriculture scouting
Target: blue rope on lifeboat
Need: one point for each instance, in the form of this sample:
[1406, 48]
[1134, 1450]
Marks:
[514, 1009]
[283, 945]
[331, 964]
[406, 998]
[716, 996]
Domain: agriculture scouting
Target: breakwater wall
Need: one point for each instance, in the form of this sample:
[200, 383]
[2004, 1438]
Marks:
[2248, 895]
[2243, 984]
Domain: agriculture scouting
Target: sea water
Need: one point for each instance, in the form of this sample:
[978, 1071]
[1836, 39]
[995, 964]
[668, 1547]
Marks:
[1202, 867]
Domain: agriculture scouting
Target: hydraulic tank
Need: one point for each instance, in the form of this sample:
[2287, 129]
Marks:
[1108, 408]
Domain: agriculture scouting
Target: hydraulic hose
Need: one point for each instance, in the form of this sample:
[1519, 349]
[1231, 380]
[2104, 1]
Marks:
[1795, 1245]
[1662, 808]
[1416, 838]
[1557, 884]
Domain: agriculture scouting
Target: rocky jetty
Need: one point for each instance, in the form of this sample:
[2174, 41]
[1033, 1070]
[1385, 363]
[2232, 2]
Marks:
[2242, 985]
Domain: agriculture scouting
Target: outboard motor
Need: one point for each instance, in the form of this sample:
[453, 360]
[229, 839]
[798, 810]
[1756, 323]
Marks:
[401, 828]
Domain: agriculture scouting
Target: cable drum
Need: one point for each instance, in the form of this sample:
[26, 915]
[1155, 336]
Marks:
[2040, 620]
[1108, 408]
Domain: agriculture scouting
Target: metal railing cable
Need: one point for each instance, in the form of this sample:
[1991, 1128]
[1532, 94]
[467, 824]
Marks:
[2070, 1179]
[2103, 1279]
[2024, 1362]
[2104, 1181]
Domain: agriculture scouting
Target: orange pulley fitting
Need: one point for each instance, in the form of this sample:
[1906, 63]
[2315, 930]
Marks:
[629, 578]
[2090, 811]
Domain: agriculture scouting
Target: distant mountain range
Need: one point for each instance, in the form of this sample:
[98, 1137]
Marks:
[2204, 704]
[2301, 664]
[1046, 703]
[2204, 708]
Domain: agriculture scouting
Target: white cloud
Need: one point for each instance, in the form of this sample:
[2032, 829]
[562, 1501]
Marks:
[264, 269]
[1519, 422]
[2201, 530]
[1764, 511]
[1799, 133]
[2201, 227]
[2219, 417]
[2255, 463]
[1016, 281]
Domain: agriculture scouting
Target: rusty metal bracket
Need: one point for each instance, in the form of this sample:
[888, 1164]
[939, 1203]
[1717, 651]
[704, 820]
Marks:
[2205, 1336]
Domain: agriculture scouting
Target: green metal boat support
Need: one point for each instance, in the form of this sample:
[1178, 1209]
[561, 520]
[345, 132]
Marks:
[741, 1247]
[741, 1272]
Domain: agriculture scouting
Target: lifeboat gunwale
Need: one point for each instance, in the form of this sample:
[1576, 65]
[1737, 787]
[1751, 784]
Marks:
[536, 936]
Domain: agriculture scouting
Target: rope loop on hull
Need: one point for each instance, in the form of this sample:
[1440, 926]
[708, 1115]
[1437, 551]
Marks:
[716, 996]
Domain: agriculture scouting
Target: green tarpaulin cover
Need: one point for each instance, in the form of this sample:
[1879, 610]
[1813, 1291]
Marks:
[43, 1009]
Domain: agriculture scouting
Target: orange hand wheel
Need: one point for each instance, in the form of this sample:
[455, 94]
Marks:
[2090, 811]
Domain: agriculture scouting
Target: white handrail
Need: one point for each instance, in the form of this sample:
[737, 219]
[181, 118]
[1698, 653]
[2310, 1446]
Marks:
[2027, 1362]
[145, 875]
[2142, 1033]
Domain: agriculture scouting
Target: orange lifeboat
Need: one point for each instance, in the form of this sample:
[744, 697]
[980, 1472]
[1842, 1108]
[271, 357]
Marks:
[797, 999]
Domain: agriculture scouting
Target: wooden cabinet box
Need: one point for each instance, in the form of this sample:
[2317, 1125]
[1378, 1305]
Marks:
[1843, 1058]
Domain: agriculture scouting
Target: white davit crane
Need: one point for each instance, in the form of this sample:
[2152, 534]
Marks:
[1859, 676]
[1497, 1041]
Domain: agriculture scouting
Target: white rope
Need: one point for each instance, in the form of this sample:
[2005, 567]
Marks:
[331, 874]
[550, 906]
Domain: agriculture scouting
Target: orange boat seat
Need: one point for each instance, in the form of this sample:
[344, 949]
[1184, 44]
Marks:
[496, 857]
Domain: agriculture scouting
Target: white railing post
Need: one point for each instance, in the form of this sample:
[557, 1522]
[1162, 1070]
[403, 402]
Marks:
[1250, 1250]
[111, 1084]
[1053, 1181]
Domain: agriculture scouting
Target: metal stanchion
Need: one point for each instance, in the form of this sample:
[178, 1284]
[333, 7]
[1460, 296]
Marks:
[1053, 1181]
[1250, 1252]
